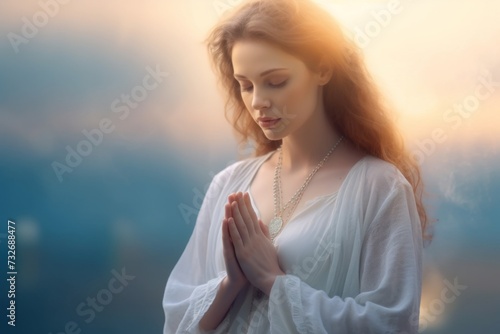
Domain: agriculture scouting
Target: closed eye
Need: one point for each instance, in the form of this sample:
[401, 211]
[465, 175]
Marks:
[281, 84]
[273, 85]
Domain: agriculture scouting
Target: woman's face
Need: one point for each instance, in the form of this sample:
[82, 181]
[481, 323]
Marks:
[278, 90]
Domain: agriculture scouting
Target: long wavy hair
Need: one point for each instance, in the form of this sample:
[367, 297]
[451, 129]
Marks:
[354, 106]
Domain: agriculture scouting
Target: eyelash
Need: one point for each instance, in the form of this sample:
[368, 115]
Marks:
[281, 84]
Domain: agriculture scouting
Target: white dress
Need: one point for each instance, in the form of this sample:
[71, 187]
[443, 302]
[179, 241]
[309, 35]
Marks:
[353, 260]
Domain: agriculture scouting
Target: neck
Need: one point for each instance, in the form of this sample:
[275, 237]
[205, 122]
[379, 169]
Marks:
[307, 146]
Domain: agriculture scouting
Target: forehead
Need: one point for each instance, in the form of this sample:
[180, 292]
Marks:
[251, 57]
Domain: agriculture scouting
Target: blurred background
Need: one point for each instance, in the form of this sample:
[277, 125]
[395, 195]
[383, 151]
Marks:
[111, 129]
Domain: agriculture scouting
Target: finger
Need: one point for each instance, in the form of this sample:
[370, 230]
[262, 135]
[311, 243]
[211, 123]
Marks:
[231, 197]
[226, 238]
[247, 218]
[246, 197]
[227, 243]
[227, 209]
[235, 234]
[240, 224]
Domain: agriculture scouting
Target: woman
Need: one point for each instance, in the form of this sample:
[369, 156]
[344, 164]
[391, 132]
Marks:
[321, 231]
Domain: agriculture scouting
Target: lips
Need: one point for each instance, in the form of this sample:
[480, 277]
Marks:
[268, 122]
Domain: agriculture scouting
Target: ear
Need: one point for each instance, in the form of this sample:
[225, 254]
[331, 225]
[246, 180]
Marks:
[324, 73]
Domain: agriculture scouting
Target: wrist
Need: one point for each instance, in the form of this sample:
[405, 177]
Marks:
[233, 286]
[268, 283]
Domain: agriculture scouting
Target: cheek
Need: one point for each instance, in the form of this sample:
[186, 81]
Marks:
[301, 98]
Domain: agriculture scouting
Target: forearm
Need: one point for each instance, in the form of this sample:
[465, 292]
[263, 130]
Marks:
[220, 306]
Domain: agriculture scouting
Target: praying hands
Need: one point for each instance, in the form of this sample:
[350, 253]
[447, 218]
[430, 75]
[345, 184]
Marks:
[249, 254]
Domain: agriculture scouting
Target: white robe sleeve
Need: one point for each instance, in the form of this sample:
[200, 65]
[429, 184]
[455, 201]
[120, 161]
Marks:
[389, 276]
[193, 282]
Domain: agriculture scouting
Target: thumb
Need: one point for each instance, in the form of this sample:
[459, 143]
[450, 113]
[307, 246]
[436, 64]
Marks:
[264, 229]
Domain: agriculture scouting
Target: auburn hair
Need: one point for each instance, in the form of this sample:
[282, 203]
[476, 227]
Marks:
[354, 106]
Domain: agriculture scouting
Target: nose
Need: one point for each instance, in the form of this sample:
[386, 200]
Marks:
[259, 100]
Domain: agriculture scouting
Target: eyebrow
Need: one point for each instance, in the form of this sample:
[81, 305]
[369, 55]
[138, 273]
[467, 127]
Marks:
[262, 74]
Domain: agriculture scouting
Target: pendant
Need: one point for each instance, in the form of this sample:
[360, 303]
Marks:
[275, 226]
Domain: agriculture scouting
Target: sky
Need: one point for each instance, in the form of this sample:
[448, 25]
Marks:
[66, 71]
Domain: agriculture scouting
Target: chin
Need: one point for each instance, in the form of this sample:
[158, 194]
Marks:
[277, 133]
[272, 135]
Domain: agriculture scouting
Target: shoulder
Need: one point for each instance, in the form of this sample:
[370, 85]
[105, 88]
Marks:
[380, 174]
[374, 183]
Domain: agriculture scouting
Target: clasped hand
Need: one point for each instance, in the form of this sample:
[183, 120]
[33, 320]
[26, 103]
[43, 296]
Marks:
[249, 254]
